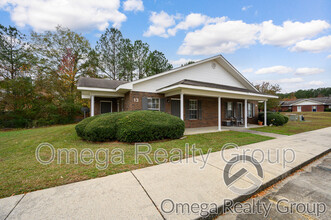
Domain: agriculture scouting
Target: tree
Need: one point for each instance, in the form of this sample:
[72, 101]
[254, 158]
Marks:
[268, 88]
[109, 47]
[126, 63]
[15, 56]
[140, 51]
[56, 49]
[156, 63]
[188, 63]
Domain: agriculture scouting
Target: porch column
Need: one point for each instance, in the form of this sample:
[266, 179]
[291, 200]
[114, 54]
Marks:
[92, 105]
[245, 113]
[182, 106]
[219, 113]
[265, 113]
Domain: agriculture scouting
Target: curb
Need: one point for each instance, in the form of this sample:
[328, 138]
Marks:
[266, 185]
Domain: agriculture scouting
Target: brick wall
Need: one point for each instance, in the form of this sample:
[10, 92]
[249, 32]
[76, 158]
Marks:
[309, 108]
[209, 106]
[133, 100]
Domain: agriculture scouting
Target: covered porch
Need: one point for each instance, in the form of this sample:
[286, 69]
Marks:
[208, 107]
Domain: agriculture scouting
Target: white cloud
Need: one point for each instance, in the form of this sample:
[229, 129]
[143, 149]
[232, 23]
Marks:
[308, 71]
[290, 32]
[75, 14]
[245, 8]
[248, 70]
[133, 5]
[329, 56]
[221, 37]
[316, 83]
[160, 21]
[275, 69]
[290, 80]
[181, 61]
[317, 45]
[193, 20]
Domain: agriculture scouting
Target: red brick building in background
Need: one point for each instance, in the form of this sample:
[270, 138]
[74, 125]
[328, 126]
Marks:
[318, 104]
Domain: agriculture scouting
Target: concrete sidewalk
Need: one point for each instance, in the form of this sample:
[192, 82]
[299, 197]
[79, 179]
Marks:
[140, 194]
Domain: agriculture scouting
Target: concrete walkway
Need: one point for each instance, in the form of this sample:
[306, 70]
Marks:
[202, 130]
[152, 192]
[247, 130]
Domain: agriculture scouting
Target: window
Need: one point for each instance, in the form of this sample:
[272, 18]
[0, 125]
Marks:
[250, 110]
[229, 110]
[314, 108]
[153, 104]
[193, 109]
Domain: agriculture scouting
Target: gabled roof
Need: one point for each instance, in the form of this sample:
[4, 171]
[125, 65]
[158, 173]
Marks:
[209, 85]
[219, 58]
[317, 100]
[99, 83]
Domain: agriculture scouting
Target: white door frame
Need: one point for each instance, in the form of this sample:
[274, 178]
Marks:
[111, 105]
[298, 107]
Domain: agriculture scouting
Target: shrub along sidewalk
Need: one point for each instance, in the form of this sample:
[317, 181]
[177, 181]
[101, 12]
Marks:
[131, 126]
[20, 172]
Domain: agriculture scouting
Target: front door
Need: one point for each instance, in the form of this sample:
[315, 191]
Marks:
[175, 108]
[299, 108]
[105, 107]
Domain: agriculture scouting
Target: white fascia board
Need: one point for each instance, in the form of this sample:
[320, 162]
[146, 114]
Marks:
[95, 89]
[172, 70]
[215, 90]
[126, 86]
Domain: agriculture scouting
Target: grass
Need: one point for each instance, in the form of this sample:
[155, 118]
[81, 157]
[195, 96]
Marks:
[20, 172]
[313, 121]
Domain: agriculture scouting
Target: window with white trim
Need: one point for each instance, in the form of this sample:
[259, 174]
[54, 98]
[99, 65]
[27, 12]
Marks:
[153, 104]
[250, 110]
[193, 109]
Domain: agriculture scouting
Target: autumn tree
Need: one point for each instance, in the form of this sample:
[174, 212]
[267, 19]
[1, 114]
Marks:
[55, 50]
[268, 88]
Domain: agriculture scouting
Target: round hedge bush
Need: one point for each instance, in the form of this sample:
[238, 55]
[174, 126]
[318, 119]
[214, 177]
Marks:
[131, 126]
[274, 118]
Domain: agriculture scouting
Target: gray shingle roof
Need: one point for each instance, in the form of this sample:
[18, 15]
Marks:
[209, 85]
[99, 83]
[324, 100]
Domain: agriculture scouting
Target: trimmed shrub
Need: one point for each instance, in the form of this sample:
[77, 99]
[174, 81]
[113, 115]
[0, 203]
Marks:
[274, 118]
[327, 109]
[131, 126]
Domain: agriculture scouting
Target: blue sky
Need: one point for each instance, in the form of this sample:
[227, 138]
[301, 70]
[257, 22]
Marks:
[284, 42]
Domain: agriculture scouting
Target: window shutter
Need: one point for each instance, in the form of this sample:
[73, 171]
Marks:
[162, 104]
[187, 109]
[144, 102]
[200, 109]
[253, 107]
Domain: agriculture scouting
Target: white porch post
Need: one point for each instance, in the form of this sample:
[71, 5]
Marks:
[92, 105]
[265, 113]
[182, 106]
[245, 113]
[219, 113]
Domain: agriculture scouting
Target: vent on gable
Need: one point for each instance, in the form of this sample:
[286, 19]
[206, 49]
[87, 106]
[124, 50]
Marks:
[213, 65]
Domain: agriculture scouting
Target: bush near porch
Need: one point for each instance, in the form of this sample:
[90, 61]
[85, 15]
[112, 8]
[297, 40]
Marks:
[274, 118]
[131, 126]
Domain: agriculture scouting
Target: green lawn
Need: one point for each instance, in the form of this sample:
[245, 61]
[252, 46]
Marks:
[313, 121]
[20, 172]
